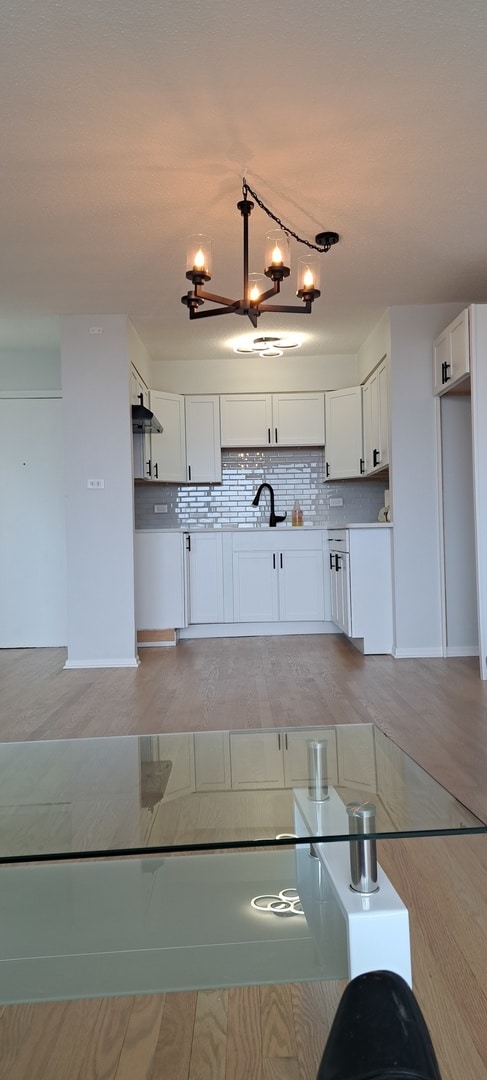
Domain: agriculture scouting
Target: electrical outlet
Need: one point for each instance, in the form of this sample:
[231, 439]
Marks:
[160, 508]
[336, 502]
[95, 484]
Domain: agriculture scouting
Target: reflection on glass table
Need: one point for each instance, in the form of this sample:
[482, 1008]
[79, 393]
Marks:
[211, 790]
[165, 862]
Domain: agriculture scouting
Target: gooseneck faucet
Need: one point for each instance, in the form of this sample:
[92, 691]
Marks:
[273, 517]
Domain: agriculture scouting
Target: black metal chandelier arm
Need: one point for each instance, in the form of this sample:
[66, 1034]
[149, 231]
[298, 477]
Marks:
[324, 240]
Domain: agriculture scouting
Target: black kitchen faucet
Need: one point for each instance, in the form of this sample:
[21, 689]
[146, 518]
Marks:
[273, 517]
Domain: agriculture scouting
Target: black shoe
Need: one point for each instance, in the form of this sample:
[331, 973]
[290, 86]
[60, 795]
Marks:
[378, 1033]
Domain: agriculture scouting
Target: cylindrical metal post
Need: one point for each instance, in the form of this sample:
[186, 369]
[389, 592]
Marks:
[317, 770]
[363, 852]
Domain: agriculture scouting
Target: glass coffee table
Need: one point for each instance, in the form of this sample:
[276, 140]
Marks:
[196, 860]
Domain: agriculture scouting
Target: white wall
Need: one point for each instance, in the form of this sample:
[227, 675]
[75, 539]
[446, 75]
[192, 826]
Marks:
[458, 525]
[414, 478]
[256, 374]
[98, 445]
[32, 524]
[28, 370]
[138, 355]
[478, 345]
[377, 345]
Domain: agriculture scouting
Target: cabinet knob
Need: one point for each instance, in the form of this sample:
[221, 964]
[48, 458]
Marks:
[149, 467]
[376, 457]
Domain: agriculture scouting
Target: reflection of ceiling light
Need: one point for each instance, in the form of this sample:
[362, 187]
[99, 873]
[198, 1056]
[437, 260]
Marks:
[285, 904]
[276, 268]
[271, 345]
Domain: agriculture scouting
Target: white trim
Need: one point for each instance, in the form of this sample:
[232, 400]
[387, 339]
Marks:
[431, 652]
[264, 629]
[131, 662]
[30, 394]
[462, 650]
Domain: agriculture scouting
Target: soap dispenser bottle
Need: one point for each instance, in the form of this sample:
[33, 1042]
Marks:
[297, 514]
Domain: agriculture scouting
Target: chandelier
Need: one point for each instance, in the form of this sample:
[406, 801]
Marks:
[255, 291]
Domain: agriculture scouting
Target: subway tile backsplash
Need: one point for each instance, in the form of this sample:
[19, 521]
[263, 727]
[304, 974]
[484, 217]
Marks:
[294, 473]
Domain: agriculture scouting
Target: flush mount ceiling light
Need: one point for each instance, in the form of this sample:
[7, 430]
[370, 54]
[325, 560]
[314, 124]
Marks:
[277, 267]
[271, 345]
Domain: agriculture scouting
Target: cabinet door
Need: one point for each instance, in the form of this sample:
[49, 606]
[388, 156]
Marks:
[168, 451]
[298, 419]
[255, 586]
[383, 394]
[205, 578]
[301, 594]
[459, 347]
[159, 581]
[343, 445]
[246, 420]
[256, 759]
[375, 419]
[451, 354]
[296, 769]
[203, 453]
[340, 591]
[139, 395]
[212, 760]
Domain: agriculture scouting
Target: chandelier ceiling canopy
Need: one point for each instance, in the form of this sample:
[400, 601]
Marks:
[256, 295]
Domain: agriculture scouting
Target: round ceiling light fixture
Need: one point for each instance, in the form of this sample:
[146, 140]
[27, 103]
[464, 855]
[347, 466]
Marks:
[270, 345]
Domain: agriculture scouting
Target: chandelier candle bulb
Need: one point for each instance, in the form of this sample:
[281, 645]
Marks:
[198, 260]
[308, 277]
[277, 256]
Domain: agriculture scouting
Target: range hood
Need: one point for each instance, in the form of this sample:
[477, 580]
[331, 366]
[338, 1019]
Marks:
[144, 422]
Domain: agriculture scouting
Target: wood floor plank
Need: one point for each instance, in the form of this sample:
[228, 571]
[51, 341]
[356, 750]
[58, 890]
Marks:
[244, 1040]
[210, 1036]
[141, 1038]
[175, 1042]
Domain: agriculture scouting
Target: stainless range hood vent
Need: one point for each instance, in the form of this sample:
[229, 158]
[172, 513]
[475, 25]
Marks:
[144, 422]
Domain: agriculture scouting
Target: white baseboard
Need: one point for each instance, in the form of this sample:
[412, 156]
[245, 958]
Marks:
[419, 653]
[264, 629]
[130, 662]
[462, 650]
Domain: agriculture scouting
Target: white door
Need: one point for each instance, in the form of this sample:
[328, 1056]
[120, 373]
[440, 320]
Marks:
[206, 577]
[255, 590]
[344, 451]
[301, 586]
[299, 419]
[203, 453]
[32, 524]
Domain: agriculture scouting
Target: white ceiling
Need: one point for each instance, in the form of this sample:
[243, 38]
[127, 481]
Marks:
[124, 126]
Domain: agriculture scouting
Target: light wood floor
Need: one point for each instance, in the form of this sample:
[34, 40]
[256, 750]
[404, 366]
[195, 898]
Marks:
[435, 709]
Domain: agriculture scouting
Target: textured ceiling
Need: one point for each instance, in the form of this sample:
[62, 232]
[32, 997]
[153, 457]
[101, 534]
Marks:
[125, 126]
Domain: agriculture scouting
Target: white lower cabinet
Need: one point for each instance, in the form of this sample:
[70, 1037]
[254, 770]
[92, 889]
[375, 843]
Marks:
[160, 580]
[278, 576]
[265, 759]
[205, 577]
[361, 586]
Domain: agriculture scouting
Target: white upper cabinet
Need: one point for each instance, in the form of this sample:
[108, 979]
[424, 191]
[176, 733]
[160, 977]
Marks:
[246, 419]
[343, 428]
[203, 453]
[375, 410]
[272, 419]
[451, 355]
[168, 451]
[298, 419]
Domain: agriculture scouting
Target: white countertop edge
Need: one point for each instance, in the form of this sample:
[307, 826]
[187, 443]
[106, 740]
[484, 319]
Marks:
[266, 528]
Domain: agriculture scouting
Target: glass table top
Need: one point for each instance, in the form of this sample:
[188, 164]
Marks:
[211, 791]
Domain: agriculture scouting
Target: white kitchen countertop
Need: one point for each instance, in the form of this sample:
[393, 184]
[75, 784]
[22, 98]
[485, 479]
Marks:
[265, 528]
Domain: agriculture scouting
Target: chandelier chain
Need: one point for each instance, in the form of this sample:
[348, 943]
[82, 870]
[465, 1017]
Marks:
[246, 189]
